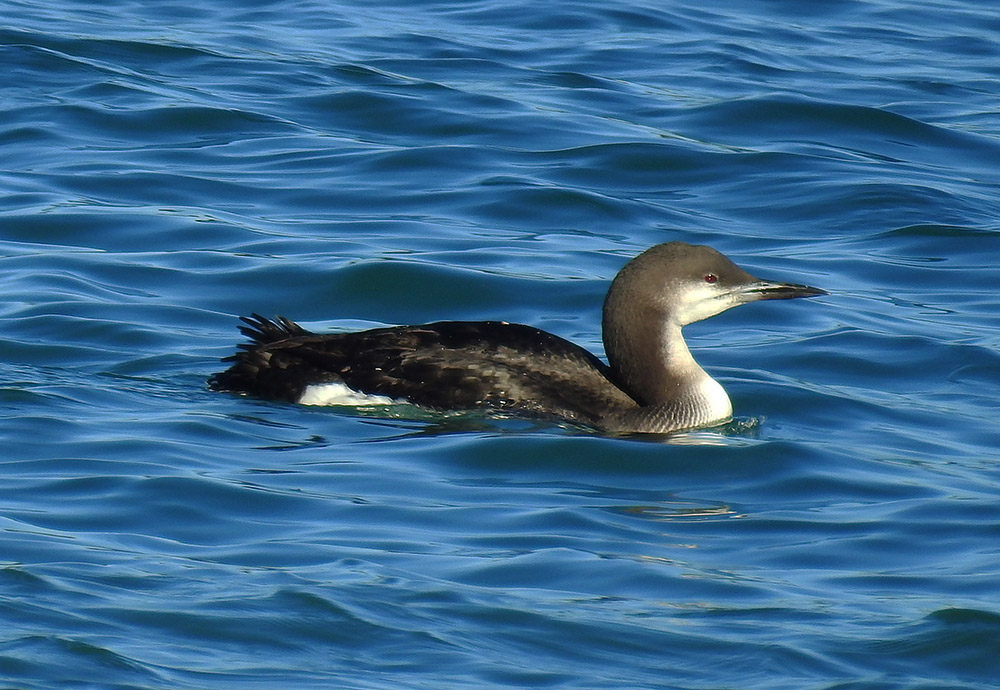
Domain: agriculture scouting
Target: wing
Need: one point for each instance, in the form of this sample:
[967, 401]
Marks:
[444, 365]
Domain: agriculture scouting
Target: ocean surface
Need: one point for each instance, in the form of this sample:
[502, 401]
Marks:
[168, 166]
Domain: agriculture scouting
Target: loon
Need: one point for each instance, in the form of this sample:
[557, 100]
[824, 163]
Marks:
[651, 383]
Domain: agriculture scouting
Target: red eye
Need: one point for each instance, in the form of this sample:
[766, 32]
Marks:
[711, 278]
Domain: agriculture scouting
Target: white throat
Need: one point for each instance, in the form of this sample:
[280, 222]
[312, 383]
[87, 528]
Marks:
[703, 395]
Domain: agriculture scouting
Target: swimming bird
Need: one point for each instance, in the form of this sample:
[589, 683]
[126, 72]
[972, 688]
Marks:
[650, 384]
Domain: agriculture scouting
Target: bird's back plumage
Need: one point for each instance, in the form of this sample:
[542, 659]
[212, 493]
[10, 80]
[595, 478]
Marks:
[444, 365]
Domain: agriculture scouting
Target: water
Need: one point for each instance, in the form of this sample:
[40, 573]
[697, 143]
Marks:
[169, 166]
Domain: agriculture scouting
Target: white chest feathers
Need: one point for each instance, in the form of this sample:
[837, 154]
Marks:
[717, 406]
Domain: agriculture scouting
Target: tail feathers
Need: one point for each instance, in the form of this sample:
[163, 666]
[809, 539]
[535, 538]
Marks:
[251, 370]
[263, 331]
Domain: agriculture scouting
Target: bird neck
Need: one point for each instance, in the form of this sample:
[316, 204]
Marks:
[651, 362]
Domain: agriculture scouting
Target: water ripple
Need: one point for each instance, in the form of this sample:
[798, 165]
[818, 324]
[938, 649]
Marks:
[171, 166]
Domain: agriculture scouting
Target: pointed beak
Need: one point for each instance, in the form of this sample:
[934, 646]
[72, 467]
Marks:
[765, 289]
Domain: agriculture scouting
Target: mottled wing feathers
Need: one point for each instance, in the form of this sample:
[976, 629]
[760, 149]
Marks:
[444, 365]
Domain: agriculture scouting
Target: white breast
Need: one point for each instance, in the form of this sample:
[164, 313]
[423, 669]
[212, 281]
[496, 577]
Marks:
[720, 407]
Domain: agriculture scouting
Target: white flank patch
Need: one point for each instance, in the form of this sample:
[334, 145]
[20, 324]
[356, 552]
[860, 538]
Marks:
[340, 394]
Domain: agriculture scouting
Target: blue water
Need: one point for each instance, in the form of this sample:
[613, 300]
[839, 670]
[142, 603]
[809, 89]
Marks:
[167, 166]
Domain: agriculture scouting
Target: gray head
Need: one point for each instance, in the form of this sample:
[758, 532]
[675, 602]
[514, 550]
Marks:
[664, 288]
[682, 283]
